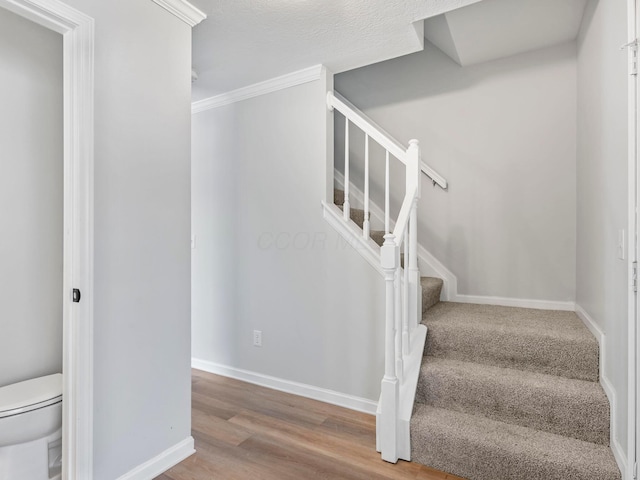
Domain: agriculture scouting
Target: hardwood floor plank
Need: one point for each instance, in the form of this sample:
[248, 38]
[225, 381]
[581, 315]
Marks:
[220, 428]
[244, 431]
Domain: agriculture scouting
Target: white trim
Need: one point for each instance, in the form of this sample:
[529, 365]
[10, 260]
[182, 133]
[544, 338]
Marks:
[184, 10]
[633, 402]
[352, 233]
[162, 462]
[77, 31]
[618, 452]
[356, 200]
[407, 396]
[515, 302]
[309, 391]
[306, 75]
[427, 263]
[430, 265]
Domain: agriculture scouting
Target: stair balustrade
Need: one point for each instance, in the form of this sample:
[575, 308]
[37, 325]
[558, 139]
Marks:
[403, 289]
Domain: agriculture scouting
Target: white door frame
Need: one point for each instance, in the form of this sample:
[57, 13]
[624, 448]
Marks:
[77, 30]
[634, 248]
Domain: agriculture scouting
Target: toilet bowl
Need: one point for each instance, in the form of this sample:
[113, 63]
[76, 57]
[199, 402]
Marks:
[31, 429]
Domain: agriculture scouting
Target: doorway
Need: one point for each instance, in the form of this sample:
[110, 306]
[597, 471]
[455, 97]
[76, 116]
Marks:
[77, 32]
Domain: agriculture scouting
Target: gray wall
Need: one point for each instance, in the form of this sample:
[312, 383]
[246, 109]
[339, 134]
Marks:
[267, 260]
[602, 186]
[142, 239]
[503, 133]
[30, 200]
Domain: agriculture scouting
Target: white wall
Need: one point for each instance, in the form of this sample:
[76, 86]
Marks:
[30, 200]
[602, 187]
[142, 240]
[503, 133]
[267, 260]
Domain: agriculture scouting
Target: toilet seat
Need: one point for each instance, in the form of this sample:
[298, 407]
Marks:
[30, 395]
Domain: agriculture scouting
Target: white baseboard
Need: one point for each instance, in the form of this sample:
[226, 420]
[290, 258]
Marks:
[515, 302]
[427, 263]
[431, 266]
[162, 462]
[618, 452]
[309, 391]
[368, 249]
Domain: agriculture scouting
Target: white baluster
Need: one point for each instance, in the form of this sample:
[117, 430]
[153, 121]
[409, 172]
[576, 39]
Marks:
[389, 396]
[346, 207]
[386, 194]
[405, 301]
[365, 225]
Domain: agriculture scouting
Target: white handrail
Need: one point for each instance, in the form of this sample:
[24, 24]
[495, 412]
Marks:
[355, 116]
[436, 178]
[337, 101]
[403, 218]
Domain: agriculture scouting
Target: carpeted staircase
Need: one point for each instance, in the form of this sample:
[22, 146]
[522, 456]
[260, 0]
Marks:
[507, 393]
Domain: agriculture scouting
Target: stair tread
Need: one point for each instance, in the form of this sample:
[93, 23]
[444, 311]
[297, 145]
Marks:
[546, 341]
[479, 448]
[569, 407]
[551, 322]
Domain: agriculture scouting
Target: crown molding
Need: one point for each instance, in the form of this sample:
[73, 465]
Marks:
[268, 86]
[184, 10]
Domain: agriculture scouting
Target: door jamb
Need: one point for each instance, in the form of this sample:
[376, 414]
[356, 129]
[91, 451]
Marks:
[633, 222]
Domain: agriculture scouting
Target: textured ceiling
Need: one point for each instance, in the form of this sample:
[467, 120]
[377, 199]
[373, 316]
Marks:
[243, 42]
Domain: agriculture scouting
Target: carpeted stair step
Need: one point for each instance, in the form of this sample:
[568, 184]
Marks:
[431, 290]
[543, 341]
[573, 408]
[478, 448]
[338, 197]
[377, 236]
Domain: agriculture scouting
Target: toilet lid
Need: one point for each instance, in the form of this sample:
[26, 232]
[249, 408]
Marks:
[30, 394]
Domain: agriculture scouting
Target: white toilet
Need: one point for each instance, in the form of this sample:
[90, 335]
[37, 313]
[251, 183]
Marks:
[31, 429]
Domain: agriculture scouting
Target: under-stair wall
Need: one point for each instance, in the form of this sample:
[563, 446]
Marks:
[265, 259]
[503, 133]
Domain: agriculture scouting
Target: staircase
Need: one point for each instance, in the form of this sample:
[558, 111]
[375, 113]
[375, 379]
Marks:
[483, 392]
[511, 393]
[507, 393]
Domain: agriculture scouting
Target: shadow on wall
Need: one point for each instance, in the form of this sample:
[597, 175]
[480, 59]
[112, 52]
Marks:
[412, 77]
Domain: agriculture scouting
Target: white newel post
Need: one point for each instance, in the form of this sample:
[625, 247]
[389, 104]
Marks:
[413, 181]
[397, 287]
[390, 257]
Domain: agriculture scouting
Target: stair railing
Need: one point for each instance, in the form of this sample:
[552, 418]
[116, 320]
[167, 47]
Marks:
[402, 290]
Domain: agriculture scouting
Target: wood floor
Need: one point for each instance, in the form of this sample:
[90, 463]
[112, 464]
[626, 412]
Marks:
[247, 432]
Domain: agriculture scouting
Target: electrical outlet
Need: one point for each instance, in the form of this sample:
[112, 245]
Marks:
[257, 338]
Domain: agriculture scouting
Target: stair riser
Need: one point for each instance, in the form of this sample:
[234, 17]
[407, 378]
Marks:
[543, 354]
[581, 412]
[475, 461]
[431, 290]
